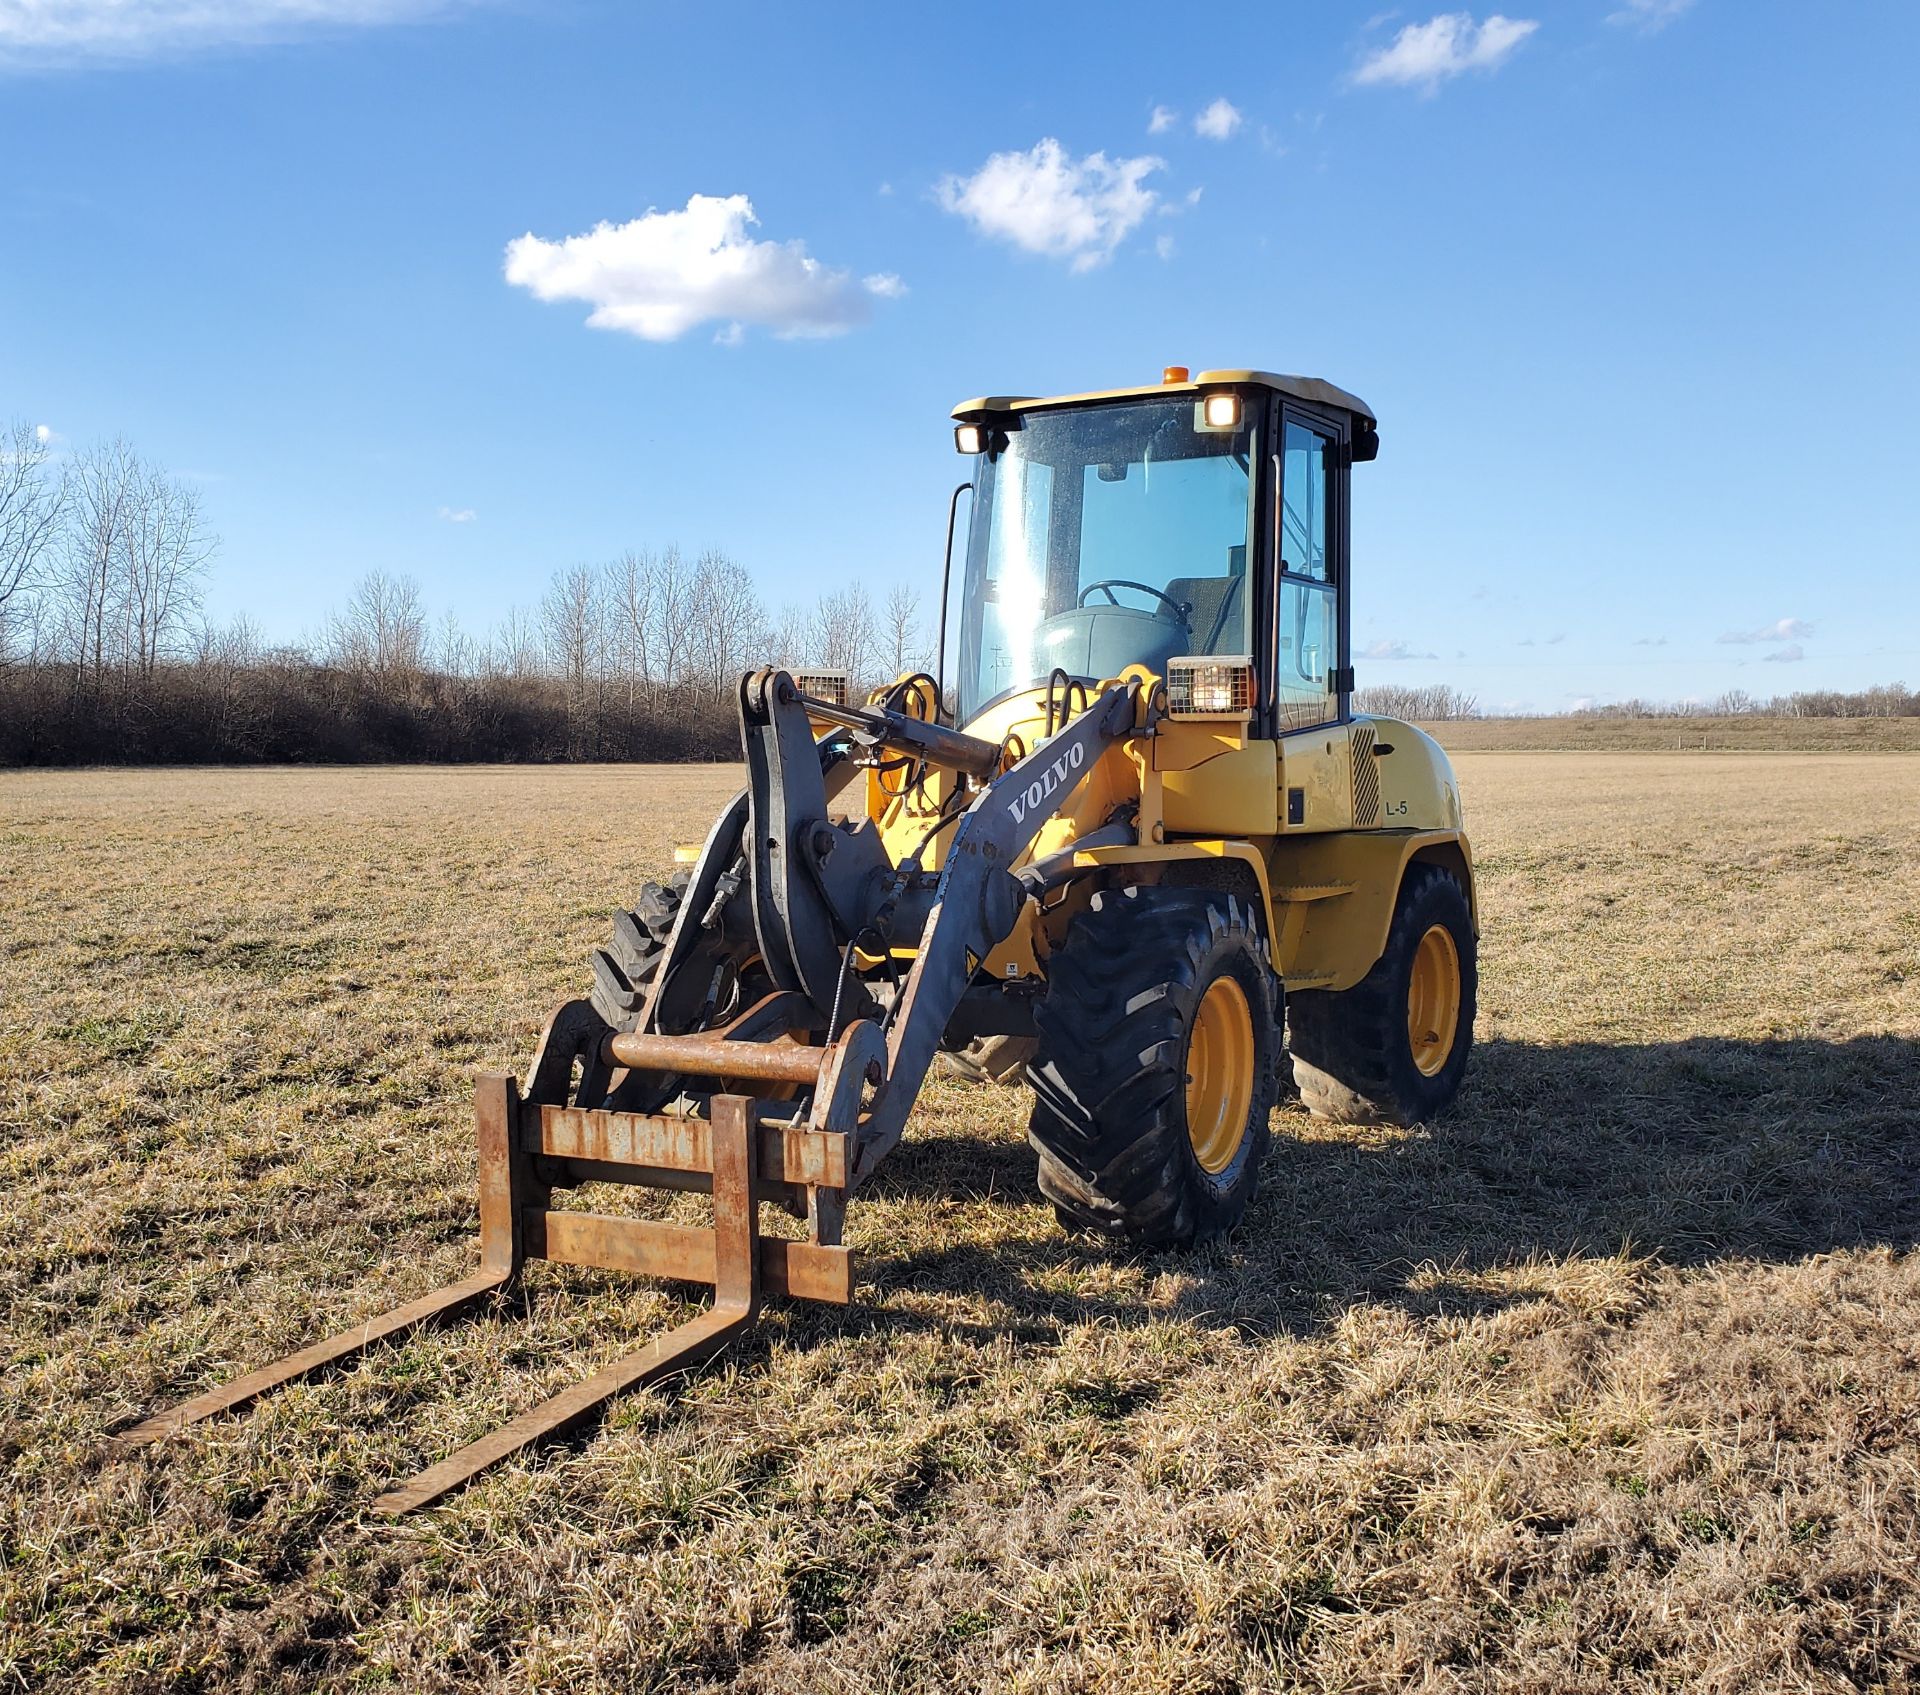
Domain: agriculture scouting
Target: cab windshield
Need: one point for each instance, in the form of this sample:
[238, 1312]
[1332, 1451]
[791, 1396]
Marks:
[1105, 536]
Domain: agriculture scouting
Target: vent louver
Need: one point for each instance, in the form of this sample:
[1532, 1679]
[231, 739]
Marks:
[1366, 778]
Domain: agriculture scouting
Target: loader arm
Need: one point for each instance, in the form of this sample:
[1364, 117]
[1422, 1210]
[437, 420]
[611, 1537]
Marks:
[977, 904]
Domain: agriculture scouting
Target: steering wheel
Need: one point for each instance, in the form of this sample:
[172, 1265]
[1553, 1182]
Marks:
[1108, 584]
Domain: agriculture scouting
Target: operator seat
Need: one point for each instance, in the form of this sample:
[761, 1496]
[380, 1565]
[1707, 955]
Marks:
[1214, 602]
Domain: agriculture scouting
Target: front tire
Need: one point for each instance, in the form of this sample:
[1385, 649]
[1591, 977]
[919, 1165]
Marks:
[624, 969]
[1393, 1049]
[1154, 1076]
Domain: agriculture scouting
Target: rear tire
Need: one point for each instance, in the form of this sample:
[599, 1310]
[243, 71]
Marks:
[1355, 1054]
[1154, 1075]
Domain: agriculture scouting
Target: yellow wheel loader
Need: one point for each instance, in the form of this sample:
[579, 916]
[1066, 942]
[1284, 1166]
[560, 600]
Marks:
[1132, 843]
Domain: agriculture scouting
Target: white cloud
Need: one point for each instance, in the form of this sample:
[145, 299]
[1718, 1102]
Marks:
[1163, 246]
[1050, 203]
[1649, 641]
[1425, 55]
[1649, 15]
[660, 275]
[1218, 121]
[44, 434]
[458, 514]
[1791, 654]
[1786, 630]
[1163, 119]
[1388, 649]
[56, 32]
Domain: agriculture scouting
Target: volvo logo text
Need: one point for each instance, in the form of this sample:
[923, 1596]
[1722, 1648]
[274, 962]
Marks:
[1048, 782]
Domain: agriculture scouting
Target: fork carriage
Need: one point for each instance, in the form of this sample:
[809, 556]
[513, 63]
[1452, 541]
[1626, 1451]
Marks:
[748, 1150]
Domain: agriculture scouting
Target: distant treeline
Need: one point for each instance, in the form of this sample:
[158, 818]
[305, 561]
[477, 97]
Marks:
[1437, 703]
[573, 681]
[105, 656]
[1427, 702]
[1883, 700]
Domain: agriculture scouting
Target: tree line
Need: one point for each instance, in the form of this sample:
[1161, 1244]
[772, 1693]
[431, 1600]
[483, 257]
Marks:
[106, 656]
[1438, 702]
[1882, 700]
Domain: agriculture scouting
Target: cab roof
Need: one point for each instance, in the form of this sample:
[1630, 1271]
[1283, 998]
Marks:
[1314, 390]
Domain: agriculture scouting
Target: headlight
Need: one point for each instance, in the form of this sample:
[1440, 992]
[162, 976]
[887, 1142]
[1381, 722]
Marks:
[1203, 686]
[829, 686]
[1221, 412]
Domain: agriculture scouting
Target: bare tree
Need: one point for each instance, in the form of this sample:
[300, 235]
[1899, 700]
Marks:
[726, 623]
[454, 651]
[165, 556]
[102, 485]
[1428, 701]
[382, 628]
[902, 628]
[228, 663]
[575, 632]
[515, 648]
[32, 502]
[786, 637]
[670, 599]
[840, 632]
[628, 588]
[571, 618]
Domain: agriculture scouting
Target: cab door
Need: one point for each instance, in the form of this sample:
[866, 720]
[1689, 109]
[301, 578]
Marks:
[1308, 693]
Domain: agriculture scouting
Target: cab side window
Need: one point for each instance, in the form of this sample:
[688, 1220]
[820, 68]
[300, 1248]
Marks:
[1303, 503]
[1308, 616]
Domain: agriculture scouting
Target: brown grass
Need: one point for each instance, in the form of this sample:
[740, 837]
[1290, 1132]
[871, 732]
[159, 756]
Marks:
[1746, 734]
[1611, 1381]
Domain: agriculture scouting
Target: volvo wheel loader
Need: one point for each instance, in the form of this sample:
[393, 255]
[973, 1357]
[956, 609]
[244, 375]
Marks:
[1132, 834]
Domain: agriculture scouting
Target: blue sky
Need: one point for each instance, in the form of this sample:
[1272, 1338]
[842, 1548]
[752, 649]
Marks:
[1631, 284]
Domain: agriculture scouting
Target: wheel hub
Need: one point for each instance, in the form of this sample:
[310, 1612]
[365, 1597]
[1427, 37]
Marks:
[1433, 1000]
[1220, 1058]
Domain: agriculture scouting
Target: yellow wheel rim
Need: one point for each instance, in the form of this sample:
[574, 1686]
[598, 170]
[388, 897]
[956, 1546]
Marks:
[1220, 1056]
[1433, 1000]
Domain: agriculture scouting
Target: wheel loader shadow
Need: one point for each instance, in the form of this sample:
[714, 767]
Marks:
[1685, 1152]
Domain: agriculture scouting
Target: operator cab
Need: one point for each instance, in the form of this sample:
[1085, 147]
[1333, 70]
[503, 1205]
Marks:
[1199, 517]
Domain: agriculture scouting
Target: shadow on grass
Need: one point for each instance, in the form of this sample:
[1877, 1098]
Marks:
[1685, 1152]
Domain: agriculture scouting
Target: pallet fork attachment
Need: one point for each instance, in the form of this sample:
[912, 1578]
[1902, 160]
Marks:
[744, 1160]
[788, 1120]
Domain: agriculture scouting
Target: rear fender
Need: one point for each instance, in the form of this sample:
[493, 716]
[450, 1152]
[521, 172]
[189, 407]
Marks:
[1335, 896]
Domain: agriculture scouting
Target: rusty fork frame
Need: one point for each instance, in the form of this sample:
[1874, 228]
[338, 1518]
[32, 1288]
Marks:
[745, 1152]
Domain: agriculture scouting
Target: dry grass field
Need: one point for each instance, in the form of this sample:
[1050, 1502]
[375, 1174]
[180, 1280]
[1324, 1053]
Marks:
[1610, 1381]
[1753, 733]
